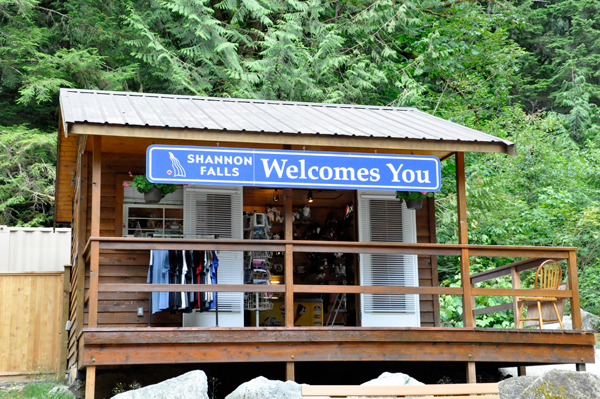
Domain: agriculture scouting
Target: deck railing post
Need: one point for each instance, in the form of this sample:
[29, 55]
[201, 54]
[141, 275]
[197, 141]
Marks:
[289, 258]
[465, 273]
[574, 287]
[516, 284]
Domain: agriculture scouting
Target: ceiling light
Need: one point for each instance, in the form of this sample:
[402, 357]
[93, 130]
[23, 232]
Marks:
[310, 198]
[275, 196]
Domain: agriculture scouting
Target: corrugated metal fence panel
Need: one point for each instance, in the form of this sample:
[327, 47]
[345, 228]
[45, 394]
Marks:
[31, 249]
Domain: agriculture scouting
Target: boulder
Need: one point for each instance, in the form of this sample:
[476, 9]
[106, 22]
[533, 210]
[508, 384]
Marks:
[589, 321]
[511, 388]
[387, 379]
[192, 385]
[553, 384]
[263, 388]
[60, 391]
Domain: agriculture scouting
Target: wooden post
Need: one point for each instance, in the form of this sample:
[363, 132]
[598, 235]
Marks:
[471, 373]
[289, 259]
[95, 247]
[434, 261]
[465, 272]
[580, 366]
[574, 287]
[90, 382]
[81, 241]
[461, 197]
[521, 371]
[516, 284]
[64, 335]
[290, 371]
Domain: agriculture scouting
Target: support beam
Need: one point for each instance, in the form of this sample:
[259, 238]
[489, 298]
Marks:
[81, 240]
[289, 258]
[465, 272]
[290, 372]
[522, 371]
[574, 286]
[95, 245]
[90, 382]
[580, 366]
[461, 196]
[471, 373]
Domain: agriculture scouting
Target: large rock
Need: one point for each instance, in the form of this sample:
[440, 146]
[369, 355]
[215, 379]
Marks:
[589, 321]
[60, 391]
[263, 388]
[387, 379]
[554, 384]
[192, 385]
[511, 388]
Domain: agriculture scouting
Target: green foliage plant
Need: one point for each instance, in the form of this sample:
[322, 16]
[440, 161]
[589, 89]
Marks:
[122, 387]
[34, 390]
[27, 176]
[143, 185]
[412, 195]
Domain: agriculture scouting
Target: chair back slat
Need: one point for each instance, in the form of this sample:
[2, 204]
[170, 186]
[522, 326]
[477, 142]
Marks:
[548, 275]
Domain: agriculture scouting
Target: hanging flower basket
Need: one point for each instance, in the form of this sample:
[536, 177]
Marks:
[153, 196]
[153, 192]
[413, 199]
[414, 204]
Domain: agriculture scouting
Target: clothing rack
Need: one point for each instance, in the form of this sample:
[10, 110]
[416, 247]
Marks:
[216, 237]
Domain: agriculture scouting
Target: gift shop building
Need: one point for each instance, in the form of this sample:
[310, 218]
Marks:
[271, 232]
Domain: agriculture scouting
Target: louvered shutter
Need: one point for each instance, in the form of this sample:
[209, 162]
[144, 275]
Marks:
[383, 219]
[211, 211]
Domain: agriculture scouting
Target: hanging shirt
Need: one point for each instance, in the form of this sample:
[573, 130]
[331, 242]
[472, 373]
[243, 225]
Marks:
[184, 296]
[158, 273]
[214, 265]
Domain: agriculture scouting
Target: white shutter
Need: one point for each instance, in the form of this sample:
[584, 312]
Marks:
[383, 219]
[210, 211]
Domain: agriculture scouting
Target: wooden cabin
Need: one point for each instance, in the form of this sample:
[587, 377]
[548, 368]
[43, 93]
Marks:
[358, 270]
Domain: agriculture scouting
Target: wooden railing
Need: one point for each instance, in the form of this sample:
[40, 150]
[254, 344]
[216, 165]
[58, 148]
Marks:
[464, 251]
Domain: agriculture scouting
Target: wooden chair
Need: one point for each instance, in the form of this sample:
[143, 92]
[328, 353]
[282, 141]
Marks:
[434, 391]
[547, 277]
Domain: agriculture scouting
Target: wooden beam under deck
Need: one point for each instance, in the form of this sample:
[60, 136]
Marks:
[125, 346]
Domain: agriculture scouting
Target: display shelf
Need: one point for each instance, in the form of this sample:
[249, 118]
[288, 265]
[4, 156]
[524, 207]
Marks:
[147, 220]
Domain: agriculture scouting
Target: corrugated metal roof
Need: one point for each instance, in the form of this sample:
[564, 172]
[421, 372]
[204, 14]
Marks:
[232, 114]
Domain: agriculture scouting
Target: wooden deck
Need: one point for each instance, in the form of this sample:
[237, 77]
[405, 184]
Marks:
[128, 346]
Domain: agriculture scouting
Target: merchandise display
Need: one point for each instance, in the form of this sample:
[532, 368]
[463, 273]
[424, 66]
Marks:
[329, 217]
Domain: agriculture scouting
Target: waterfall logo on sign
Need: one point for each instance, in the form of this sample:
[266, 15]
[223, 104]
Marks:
[179, 171]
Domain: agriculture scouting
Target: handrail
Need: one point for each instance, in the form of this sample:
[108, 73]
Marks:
[505, 270]
[465, 251]
[225, 244]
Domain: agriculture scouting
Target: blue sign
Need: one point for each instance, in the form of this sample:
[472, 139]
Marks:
[283, 168]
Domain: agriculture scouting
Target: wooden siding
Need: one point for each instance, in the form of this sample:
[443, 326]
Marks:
[67, 164]
[430, 315]
[31, 324]
[119, 309]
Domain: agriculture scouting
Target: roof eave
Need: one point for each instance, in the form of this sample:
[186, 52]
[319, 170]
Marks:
[305, 139]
